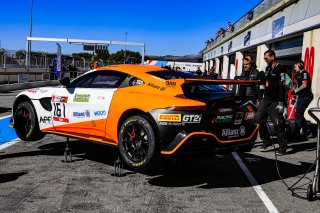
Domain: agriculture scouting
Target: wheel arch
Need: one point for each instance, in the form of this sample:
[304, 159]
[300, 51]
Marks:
[133, 112]
[19, 100]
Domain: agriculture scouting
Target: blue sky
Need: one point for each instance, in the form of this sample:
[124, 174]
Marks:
[168, 27]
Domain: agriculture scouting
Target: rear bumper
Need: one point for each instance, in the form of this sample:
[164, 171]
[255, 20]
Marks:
[183, 137]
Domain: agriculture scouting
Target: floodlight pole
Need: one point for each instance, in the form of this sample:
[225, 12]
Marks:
[28, 55]
[125, 48]
[143, 52]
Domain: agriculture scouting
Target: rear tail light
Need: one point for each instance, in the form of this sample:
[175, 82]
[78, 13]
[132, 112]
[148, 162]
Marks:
[187, 108]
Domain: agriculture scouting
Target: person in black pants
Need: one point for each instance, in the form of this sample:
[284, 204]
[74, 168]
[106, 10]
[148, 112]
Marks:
[305, 96]
[272, 104]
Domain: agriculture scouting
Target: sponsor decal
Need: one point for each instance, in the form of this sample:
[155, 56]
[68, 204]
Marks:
[222, 119]
[101, 98]
[93, 124]
[164, 123]
[191, 118]
[171, 83]
[32, 90]
[225, 110]
[45, 119]
[242, 130]
[43, 90]
[59, 112]
[65, 120]
[100, 113]
[81, 114]
[81, 98]
[61, 99]
[249, 115]
[169, 117]
[282, 77]
[231, 133]
[238, 119]
[156, 87]
[249, 107]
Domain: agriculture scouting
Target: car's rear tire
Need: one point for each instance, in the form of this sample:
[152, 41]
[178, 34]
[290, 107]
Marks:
[26, 122]
[138, 145]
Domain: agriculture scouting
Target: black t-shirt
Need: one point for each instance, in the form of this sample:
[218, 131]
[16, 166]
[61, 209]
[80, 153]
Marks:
[275, 83]
[251, 90]
[303, 78]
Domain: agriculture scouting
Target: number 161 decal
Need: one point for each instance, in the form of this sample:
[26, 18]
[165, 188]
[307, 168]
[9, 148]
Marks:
[59, 112]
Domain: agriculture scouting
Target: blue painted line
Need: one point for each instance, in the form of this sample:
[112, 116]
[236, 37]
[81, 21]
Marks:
[6, 133]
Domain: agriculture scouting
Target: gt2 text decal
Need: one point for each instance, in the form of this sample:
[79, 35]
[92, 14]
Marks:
[191, 118]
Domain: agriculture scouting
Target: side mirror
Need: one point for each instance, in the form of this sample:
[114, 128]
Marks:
[65, 82]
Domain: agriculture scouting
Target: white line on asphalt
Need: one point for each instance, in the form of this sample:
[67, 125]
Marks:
[10, 143]
[265, 199]
[5, 117]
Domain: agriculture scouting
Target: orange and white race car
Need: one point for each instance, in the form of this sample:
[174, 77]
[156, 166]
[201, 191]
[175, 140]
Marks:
[143, 110]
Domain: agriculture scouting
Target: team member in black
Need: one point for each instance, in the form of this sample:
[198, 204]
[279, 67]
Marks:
[250, 72]
[272, 104]
[305, 96]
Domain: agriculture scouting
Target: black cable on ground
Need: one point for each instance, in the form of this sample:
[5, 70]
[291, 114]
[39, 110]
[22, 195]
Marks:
[293, 193]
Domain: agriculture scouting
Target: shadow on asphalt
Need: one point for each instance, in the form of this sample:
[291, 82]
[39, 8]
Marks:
[183, 171]
[11, 176]
[5, 109]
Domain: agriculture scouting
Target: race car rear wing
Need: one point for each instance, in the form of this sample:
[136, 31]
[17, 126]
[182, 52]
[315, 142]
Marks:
[189, 85]
[219, 82]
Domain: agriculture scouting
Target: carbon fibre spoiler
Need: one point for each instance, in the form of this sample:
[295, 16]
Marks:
[196, 81]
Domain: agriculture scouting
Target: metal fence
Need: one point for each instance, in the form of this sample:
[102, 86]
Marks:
[9, 59]
[24, 77]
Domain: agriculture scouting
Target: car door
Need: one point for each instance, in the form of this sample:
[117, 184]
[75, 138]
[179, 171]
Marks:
[82, 108]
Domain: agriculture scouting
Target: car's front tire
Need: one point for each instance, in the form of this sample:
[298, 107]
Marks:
[137, 143]
[26, 122]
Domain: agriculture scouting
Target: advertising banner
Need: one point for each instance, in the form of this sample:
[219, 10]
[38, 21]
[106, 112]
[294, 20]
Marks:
[58, 59]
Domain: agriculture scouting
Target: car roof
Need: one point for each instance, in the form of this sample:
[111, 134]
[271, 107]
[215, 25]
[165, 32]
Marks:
[133, 69]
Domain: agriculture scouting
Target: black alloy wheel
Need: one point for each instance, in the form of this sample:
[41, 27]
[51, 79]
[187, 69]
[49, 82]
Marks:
[26, 123]
[137, 142]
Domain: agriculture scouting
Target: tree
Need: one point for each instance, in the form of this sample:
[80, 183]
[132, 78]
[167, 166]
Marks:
[118, 57]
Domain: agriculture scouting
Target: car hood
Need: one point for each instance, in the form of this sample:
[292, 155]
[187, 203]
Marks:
[38, 93]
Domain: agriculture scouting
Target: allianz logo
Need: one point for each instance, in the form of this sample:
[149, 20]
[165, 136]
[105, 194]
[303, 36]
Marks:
[100, 113]
[82, 114]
